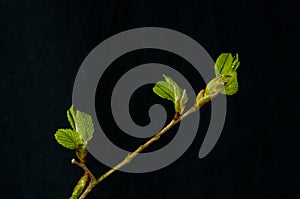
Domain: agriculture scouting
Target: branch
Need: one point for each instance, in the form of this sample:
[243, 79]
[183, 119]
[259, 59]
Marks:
[177, 118]
[86, 170]
[127, 160]
[92, 182]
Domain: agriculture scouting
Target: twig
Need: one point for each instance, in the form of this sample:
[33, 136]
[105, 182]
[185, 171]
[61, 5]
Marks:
[86, 170]
[127, 160]
[93, 181]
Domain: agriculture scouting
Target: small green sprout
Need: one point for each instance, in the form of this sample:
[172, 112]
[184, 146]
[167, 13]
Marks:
[170, 90]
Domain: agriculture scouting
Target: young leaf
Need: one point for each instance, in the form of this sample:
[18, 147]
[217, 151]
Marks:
[223, 64]
[84, 126]
[225, 67]
[162, 90]
[67, 138]
[174, 87]
[170, 90]
[216, 85]
[183, 100]
[71, 117]
[232, 87]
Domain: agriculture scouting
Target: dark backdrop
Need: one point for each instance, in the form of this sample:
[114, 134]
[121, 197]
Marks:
[43, 43]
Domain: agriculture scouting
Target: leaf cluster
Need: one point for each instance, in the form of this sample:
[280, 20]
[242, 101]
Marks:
[81, 132]
[225, 81]
[170, 90]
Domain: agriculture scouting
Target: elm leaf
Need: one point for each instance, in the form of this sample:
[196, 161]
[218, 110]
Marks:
[67, 138]
[84, 126]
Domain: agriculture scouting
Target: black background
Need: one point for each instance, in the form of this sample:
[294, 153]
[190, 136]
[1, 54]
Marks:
[43, 43]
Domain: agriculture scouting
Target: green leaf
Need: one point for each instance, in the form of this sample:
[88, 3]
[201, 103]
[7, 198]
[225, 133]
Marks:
[162, 90]
[170, 90]
[71, 117]
[82, 130]
[226, 64]
[223, 64]
[67, 138]
[216, 85]
[84, 126]
[177, 91]
[231, 88]
[225, 67]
